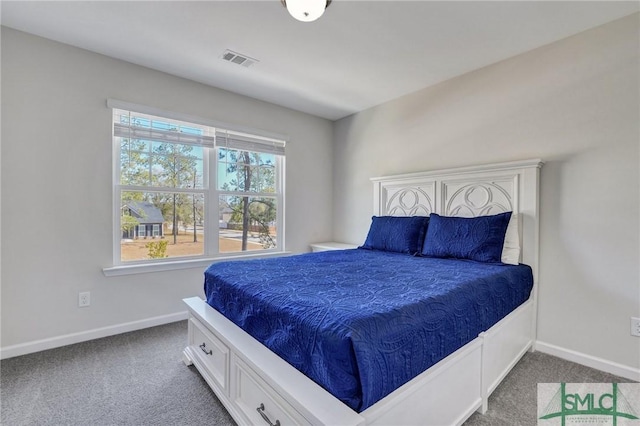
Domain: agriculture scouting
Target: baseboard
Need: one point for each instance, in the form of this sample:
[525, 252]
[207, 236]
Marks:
[590, 361]
[83, 336]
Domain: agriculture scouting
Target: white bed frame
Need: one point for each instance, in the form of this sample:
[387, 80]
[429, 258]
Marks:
[258, 387]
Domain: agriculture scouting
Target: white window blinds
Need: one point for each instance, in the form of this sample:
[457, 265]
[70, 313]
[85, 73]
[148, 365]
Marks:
[246, 142]
[134, 125]
[136, 122]
[170, 136]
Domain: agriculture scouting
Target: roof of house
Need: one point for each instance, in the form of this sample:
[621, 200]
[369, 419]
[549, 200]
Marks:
[146, 211]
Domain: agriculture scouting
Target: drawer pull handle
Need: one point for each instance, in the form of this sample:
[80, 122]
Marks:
[260, 410]
[203, 346]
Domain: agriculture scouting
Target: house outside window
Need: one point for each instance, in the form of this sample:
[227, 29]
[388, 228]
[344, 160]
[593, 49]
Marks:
[200, 191]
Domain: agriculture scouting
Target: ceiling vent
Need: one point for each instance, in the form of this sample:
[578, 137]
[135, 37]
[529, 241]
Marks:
[238, 58]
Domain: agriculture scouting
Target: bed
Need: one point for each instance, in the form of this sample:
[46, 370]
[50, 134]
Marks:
[445, 385]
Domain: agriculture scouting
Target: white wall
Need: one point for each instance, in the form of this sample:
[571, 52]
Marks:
[574, 104]
[57, 195]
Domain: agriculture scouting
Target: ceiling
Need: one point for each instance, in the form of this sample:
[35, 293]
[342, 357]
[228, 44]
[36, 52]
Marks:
[358, 55]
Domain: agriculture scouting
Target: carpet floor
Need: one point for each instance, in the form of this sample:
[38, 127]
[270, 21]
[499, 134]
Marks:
[138, 378]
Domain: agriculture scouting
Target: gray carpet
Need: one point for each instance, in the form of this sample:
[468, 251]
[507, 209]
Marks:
[138, 378]
[135, 378]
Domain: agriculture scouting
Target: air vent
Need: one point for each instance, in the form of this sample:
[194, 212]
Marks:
[238, 58]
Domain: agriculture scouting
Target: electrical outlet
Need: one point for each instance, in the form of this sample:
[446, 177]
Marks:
[84, 299]
[635, 326]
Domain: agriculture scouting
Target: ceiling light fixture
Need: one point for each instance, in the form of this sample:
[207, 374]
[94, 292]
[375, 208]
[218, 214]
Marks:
[306, 10]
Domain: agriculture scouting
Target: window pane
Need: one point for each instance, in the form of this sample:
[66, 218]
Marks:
[245, 171]
[267, 160]
[222, 154]
[267, 178]
[247, 223]
[170, 165]
[134, 162]
[161, 225]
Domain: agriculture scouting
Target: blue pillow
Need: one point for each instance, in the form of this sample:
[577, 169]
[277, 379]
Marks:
[401, 234]
[477, 238]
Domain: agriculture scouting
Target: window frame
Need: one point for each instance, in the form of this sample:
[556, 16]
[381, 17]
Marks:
[210, 192]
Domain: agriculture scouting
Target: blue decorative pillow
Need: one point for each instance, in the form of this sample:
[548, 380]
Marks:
[477, 238]
[401, 234]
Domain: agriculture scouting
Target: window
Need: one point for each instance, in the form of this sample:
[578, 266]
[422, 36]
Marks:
[199, 190]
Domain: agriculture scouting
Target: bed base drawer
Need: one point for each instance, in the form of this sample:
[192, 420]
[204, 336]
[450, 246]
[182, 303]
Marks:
[260, 402]
[211, 352]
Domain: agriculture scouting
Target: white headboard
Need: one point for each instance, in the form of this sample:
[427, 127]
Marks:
[468, 191]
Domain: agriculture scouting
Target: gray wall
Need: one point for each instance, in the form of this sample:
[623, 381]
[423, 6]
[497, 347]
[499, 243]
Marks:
[574, 104]
[57, 177]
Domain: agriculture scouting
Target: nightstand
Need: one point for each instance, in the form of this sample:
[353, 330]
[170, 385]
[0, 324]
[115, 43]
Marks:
[331, 245]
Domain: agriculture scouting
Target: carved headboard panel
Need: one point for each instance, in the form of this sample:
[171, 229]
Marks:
[469, 192]
[409, 200]
[479, 199]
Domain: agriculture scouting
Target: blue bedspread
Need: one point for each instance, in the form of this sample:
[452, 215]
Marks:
[361, 323]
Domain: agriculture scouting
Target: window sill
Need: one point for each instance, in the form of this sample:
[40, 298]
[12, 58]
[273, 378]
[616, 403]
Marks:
[143, 268]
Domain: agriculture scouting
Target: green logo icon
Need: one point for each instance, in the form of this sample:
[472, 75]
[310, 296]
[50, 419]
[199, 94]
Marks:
[613, 405]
